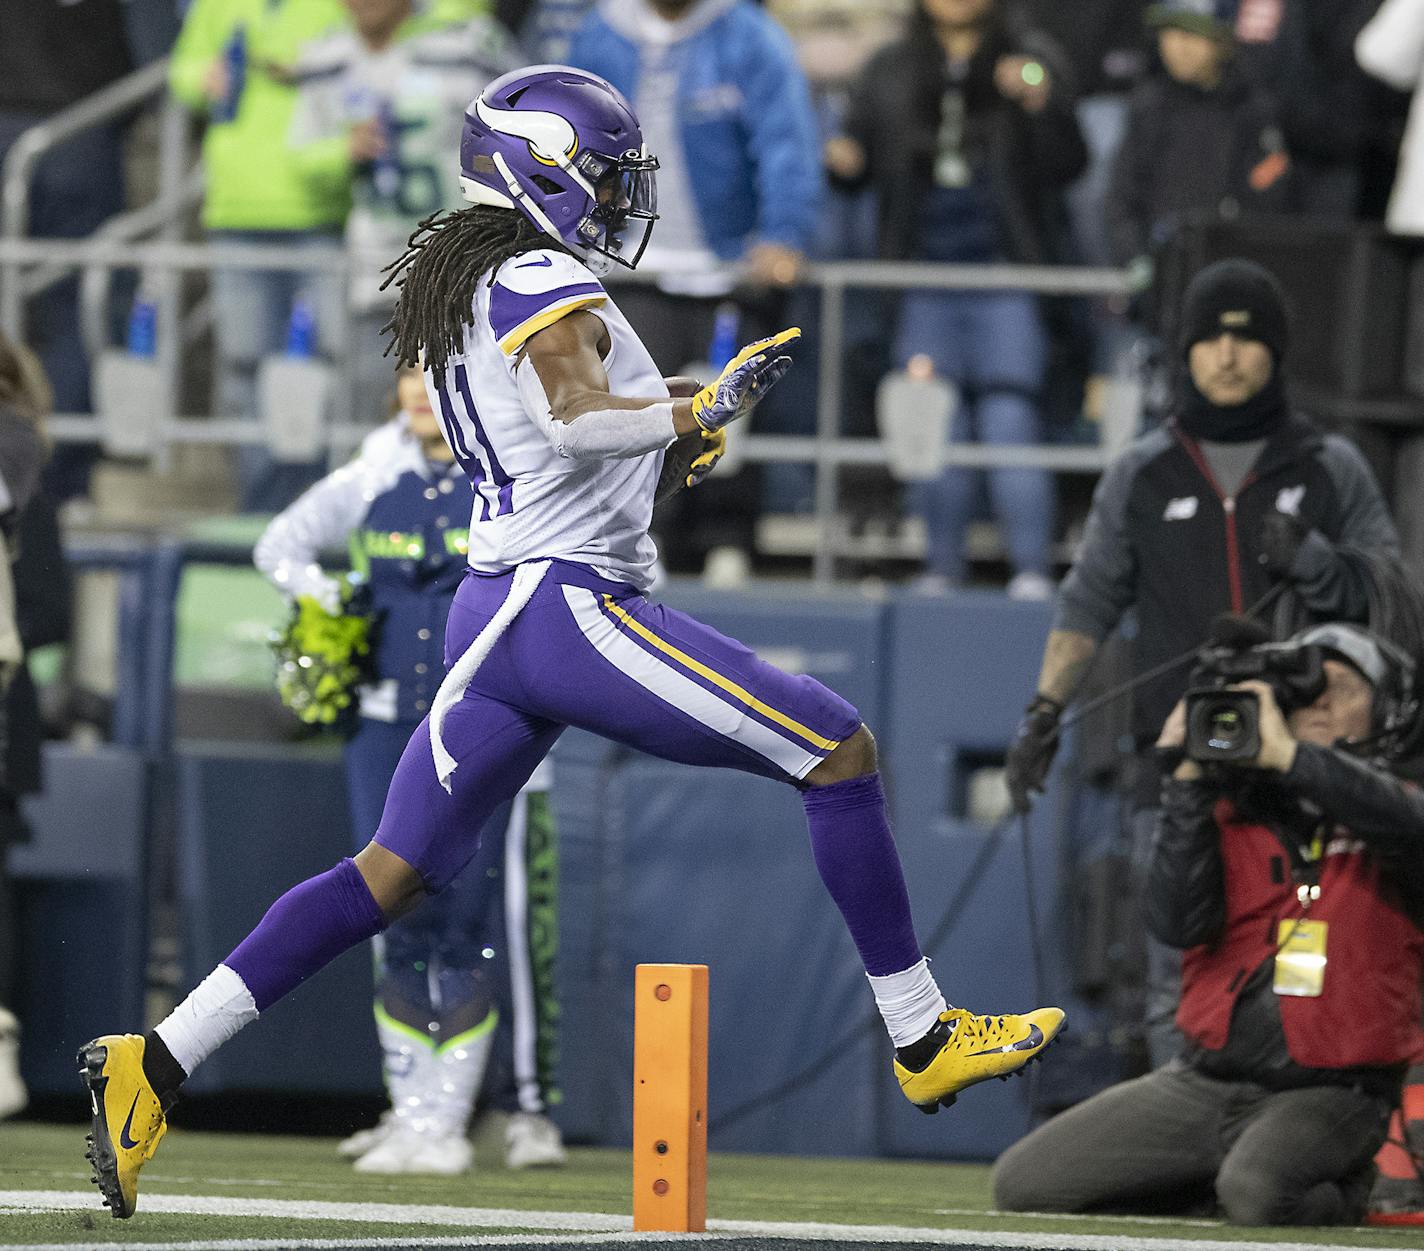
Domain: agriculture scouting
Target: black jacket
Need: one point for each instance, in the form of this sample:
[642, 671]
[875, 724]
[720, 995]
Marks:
[1186, 901]
[1189, 154]
[1161, 538]
[1025, 159]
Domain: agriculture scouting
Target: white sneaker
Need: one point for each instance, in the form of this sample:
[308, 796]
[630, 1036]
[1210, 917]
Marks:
[1030, 586]
[13, 1095]
[407, 1151]
[533, 1141]
[364, 1139]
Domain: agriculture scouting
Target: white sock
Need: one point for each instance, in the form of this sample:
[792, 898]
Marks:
[460, 1068]
[909, 1001]
[219, 1006]
[408, 1058]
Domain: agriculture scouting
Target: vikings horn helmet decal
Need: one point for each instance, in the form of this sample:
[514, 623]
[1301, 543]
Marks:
[563, 147]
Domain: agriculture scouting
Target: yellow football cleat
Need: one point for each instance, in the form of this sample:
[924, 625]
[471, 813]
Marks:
[127, 1117]
[975, 1049]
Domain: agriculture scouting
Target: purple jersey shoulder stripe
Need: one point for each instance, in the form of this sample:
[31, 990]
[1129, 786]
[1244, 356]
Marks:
[508, 310]
[501, 479]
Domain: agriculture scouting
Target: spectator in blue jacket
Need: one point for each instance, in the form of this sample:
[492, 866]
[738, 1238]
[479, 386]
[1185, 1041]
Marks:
[727, 111]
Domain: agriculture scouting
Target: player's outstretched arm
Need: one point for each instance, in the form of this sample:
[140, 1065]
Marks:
[693, 456]
[565, 391]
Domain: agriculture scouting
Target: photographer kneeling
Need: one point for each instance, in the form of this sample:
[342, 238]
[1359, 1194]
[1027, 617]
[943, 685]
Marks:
[1294, 879]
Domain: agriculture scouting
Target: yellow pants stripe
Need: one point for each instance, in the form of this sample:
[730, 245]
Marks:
[740, 692]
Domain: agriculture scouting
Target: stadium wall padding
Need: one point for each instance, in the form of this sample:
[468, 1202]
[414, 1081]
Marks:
[659, 863]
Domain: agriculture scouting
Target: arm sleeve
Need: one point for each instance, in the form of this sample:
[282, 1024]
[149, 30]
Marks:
[1373, 804]
[21, 459]
[1391, 45]
[534, 290]
[1186, 891]
[605, 434]
[321, 518]
[784, 142]
[1324, 575]
[317, 143]
[1100, 585]
[205, 28]
[1124, 205]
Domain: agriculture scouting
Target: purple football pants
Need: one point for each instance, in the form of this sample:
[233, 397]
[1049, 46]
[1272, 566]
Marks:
[595, 654]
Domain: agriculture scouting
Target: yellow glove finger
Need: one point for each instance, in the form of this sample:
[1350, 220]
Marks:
[762, 345]
[714, 445]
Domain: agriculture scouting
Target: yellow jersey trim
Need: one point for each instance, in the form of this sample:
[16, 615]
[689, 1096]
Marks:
[516, 338]
[741, 693]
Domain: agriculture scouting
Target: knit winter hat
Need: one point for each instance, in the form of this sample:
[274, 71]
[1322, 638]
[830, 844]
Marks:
[1235, 296]
[1216, 19]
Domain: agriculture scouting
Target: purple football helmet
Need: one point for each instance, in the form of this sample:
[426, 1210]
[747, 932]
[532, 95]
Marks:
[564, 148]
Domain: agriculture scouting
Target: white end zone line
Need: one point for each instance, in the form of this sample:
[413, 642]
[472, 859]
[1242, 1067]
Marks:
[609, 1228]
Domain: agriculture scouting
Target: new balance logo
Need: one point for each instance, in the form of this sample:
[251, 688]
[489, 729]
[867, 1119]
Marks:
[1183, 509]
[1288, 500]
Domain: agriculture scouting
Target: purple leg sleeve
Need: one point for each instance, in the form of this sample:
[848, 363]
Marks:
[856, 857]
[305, 930]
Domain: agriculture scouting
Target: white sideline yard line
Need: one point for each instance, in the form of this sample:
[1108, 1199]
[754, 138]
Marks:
[574, 1225]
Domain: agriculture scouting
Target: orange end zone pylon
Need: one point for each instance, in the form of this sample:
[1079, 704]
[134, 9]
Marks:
[670, 1098]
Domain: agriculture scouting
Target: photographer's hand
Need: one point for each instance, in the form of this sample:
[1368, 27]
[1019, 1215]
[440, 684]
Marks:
[1172, 739]
[1278, 744]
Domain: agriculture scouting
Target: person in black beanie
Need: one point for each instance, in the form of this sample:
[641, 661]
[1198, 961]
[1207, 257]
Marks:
[1205, 515]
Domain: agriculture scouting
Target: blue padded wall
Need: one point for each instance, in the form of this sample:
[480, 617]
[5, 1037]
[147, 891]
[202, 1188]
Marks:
[81, 908]
[661, 863]
[254, 821]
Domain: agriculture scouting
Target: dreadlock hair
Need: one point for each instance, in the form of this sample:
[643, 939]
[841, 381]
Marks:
[437, 274]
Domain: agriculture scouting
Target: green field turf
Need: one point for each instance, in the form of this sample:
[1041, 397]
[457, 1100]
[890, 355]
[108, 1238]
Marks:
[274, 1174]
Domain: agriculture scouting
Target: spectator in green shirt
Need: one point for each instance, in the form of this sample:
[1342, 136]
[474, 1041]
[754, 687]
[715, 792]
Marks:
[230, 64]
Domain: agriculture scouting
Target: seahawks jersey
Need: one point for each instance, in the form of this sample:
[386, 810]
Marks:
[416, 90]
[530, 502]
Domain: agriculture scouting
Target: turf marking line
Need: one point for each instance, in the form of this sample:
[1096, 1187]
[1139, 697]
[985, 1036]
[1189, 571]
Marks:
[609, 1228]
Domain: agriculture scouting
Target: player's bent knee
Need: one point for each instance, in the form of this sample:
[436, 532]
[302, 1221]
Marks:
[853, 758]
[394, 885]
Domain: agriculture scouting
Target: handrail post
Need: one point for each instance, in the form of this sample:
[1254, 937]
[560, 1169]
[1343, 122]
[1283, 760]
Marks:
[828, 425]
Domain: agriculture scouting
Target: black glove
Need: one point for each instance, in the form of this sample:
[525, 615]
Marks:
[1281, 539]
[1032, 751]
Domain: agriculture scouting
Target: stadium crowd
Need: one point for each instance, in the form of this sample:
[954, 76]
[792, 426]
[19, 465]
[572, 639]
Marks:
[964, 131]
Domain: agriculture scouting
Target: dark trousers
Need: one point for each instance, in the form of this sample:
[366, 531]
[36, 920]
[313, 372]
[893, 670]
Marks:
[1175, 1139]
[677, 331]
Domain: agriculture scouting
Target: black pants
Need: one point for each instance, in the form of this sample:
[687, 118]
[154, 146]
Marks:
[1175, 1139]
[722, 511]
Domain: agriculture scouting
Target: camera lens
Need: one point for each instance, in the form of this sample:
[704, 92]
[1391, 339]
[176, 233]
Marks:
[1224, 728]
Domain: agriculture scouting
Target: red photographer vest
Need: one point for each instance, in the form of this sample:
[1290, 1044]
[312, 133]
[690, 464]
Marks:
[1367, 1015]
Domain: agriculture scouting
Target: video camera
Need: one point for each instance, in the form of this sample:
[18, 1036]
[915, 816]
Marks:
[1225, 725]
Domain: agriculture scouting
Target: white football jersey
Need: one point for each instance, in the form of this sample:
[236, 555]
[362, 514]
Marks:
[530, 502]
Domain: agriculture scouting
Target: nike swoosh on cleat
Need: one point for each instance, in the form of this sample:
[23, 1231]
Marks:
[1034, 1039]
[535, 264]
[127, 1143]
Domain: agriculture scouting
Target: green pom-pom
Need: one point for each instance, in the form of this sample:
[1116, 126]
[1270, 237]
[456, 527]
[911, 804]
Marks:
[321, 658]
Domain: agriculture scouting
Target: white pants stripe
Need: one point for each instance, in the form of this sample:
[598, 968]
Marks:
[525, 1025]
[660, 678]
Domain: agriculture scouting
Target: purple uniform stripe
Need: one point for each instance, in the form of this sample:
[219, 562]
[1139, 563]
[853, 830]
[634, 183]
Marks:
[713, 689]
[501, 479]
[509, 310]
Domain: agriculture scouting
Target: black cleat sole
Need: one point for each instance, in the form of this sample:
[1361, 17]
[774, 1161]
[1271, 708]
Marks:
[99, 1148]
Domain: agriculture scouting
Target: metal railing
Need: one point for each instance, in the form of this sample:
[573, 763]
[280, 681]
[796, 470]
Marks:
[827, 450]
[28, 265]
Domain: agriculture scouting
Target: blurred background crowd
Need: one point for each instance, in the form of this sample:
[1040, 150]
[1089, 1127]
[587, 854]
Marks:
[1123, 140]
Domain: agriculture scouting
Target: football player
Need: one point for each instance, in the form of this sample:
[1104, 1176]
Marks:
[567, 433]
